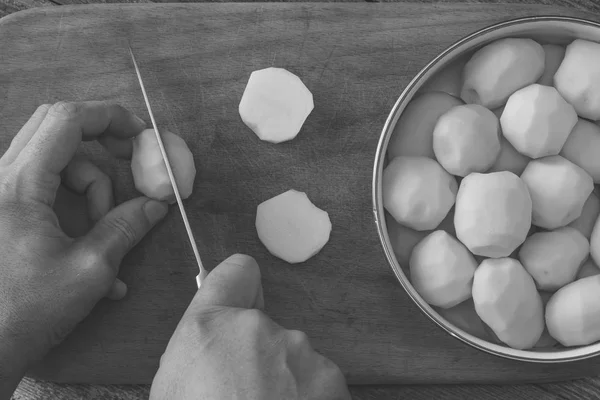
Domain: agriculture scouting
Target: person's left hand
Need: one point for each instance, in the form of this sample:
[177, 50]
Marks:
[48, 281]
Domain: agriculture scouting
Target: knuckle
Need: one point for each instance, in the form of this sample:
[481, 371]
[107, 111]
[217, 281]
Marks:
[44, 108]
[123, 228]
[65, 109]
[96, 260]
[253, 319]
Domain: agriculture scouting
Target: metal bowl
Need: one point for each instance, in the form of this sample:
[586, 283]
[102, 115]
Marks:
[559, 30]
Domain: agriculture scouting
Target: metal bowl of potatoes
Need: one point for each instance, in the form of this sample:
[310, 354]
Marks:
[489, 205]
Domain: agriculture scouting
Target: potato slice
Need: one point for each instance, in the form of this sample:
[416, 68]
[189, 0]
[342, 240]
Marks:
[537, 121]
[554, 55]
[413, 134]
[275, 104]
[583, 148]
[493, 213]
[589, 268]
[573, 313]
[507, 300]
[558, 190]
[553, 258]
[585, 223]
[291, 227]
[418, 192]
[578, 78]
[466, 139]
[150, 175]
[499, 69]
[441, 270]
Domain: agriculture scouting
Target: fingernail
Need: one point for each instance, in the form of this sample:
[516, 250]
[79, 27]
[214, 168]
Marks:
[155, 210]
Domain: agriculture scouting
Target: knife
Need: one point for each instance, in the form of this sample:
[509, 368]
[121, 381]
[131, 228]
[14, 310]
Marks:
[200, 277]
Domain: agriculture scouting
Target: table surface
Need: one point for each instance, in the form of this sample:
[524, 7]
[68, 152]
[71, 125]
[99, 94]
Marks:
[588, 388]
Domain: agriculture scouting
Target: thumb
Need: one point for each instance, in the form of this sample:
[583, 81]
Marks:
[122, 228]
[236, 282]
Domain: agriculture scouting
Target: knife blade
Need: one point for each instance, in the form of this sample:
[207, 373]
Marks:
[200, 277]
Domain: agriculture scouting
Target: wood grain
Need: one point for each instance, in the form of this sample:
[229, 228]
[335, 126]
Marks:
[196, 59]
[399, 303]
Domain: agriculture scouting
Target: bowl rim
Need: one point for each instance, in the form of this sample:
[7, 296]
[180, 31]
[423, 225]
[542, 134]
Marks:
[542, 357]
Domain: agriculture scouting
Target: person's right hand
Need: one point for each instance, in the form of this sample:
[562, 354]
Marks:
[225, 348]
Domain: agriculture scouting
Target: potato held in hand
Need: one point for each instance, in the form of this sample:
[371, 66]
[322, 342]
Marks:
[558, 190]
[418, 192]
[441, 270]
[149, 171]
[466, 139]
[493, 213]
[553, 258]
[573, 313]
[499, 69]
[507, 300]
[578, 78]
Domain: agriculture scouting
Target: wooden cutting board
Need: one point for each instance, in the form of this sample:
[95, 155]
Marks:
[196, 59]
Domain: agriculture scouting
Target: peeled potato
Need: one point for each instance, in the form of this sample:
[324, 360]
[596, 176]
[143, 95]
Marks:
[578, 78]
[509, 159]
[403, 240]
[493, 213]
[589, 268]
[537, 121]
[573, 313]
[441, 270]
[583, 148]
[507, 300]
[545, 340]
[413, 134]
[499, 69]
[275, 104]
[448, 80]
[554, 55]
[464, 317]
[558, 190]
[466, 139]
[595, 242]
[418, 192]
[553, 258]
[589, 215]
[149, 171]
[291, 227]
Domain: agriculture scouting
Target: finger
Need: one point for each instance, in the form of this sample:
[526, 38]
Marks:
[84, 177]
[122, 228]
[67, 124]
[24, 135]
[236, 282]
[118, 290]
[120, 148]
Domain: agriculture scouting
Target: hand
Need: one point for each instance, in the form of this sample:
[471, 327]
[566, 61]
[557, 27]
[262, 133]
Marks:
[50, 281]
[225, 348]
